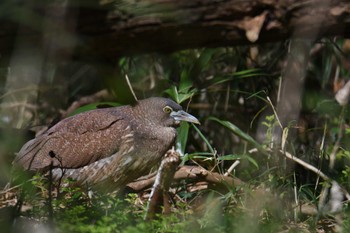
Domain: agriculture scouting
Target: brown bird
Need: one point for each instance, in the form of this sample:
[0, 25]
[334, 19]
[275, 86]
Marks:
[111, 146]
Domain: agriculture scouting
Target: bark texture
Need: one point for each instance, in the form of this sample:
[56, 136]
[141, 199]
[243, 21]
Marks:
[111, 28]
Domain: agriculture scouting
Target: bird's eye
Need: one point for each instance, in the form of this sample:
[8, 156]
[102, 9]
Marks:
[167, 109]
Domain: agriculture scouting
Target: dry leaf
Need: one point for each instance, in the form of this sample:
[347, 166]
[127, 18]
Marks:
[253, 27]
[342, 96]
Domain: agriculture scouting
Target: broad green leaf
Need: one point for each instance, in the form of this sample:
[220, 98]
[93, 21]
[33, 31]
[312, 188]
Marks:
[173, 93]
[185, 81]
[182, 135]
[180, 95]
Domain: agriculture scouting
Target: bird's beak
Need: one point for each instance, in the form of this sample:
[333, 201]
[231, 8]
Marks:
[184, 116]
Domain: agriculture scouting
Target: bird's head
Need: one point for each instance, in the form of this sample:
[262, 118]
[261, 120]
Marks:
[163, 111]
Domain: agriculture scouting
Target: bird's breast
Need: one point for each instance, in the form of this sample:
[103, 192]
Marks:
[155, 141]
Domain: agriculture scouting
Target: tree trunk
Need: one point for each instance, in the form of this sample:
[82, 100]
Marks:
[111, 28]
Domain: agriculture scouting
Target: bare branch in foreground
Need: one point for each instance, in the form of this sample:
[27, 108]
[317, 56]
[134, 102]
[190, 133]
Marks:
[193, 173]
[162, 184]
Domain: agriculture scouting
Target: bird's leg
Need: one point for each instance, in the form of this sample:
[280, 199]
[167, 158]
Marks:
[49, 199]
[59, 181]
[162, 183]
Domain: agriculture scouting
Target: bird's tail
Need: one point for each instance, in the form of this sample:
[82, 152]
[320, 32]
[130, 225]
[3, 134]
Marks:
[29, 157]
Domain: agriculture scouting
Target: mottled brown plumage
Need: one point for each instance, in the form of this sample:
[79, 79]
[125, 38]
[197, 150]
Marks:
[113, 145]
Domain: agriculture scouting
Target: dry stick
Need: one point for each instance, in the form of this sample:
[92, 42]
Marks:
[130, 87]
[11, 92]
[307, 166]
[143, 182]
[274, 112]
[4, 191]
[201, 174]
[321, 152]
[98, 96]
[301, 162]
[162, 184]
[21, 195]
[235, 164]
[195, 173]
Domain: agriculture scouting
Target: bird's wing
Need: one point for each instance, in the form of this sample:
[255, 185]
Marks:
[76, 141]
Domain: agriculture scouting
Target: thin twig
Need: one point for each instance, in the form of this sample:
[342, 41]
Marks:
[301, 162]
[96, 97]
[321, 152]
[274, 111]
[235, 164]
[130, 87]
[295, 196]
[10, 189]
[27, 88]
[15, 187]
[307, 166]
[337, 143]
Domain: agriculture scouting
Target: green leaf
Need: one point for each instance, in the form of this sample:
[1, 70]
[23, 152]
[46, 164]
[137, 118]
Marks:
[185, 81]
[182, 135]
[93, 106]
[204, 139]
[173, 93]
[197, 155]
[239, 157]
[233, 128]
[201, 63]
[180, 95]
[249, 73]
[239, 75]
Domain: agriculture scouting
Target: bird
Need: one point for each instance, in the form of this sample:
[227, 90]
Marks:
[106, 147]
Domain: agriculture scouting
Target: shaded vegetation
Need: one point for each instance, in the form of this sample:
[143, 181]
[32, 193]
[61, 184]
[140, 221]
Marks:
[234, 92]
